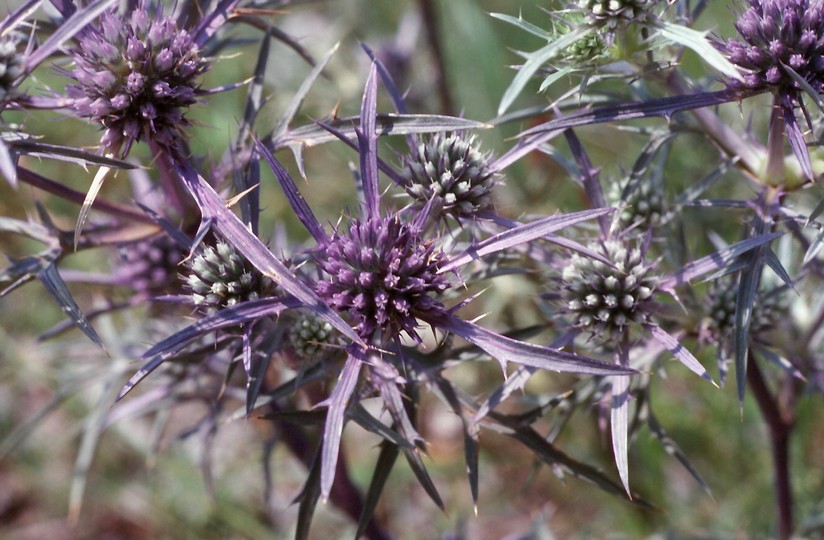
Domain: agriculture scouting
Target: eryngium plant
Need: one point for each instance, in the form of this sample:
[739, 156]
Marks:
[136, 77]
[220, 277]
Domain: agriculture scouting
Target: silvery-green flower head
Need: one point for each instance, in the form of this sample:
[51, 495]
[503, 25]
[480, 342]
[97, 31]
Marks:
[643, 208]
[452, 170]
[600, 297]
[221, 277]
[312, 338]
[615, 14]
[11, 64]
[779, 37]
[382, 273]
[136, 76]
[720, 309]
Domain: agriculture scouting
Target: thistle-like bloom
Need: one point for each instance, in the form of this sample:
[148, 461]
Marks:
[453, 171]
[221, 277]
[645, 207]
[310, 337]
[136, 75]
[381, 272]
[150, 267]
[721, 301]
[11, 64]
[615, 13]
[779, 37]
[607, 298]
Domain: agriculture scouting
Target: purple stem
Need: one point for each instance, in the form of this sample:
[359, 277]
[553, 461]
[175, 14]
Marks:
[779, 425]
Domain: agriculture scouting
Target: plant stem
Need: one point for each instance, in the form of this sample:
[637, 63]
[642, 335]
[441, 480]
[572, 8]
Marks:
[779, 424]
[430, 21]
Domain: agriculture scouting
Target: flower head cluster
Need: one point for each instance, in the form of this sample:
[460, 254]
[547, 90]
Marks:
[779, 37]
[310, 336]
[645, 206]
[613, 14]
[721, 300]
[136, 76]
[220, 277]
[452, 170]
[381, 272]
[150, 267]
[602, 297]
[11, 64]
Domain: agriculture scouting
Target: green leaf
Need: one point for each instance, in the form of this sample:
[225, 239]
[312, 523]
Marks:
[535, 60]
[697, 41]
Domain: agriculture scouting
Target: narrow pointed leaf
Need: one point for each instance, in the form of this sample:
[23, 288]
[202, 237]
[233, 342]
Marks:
[332, 431]
[224, 318]
[57, 288]
[76, 23]
[383, 467]
[368, 144]
[533, 63]
[715, 261]
[797, 142]
[212, 22]
[7, 165]
[308, 497]
[619, 425]
[19, 15]
[521, 234]
[386, 124]
[296, 200]
[672, 449]
[506, 349]
[91, 195]
[413, 457]
[679, 351]
[744, 302]
[523, 25]
[697, 41]
[665, 107]
[297, 99]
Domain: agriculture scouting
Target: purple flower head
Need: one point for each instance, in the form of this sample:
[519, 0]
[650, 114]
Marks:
[451, 170]
[604, 298]
[136, 75]
[779, 37]
[150, 267]
[381, 272]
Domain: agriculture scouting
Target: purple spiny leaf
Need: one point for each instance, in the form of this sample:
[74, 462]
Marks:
[714, 261]
[232, 316]
[521, 234]
[665, 107]
[368, 145]
[76, 23]
[679, 351]
[302, 210]
[214, 21]
[332, 431]
[505, 349]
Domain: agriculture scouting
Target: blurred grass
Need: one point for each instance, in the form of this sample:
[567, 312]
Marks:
[127, 499]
